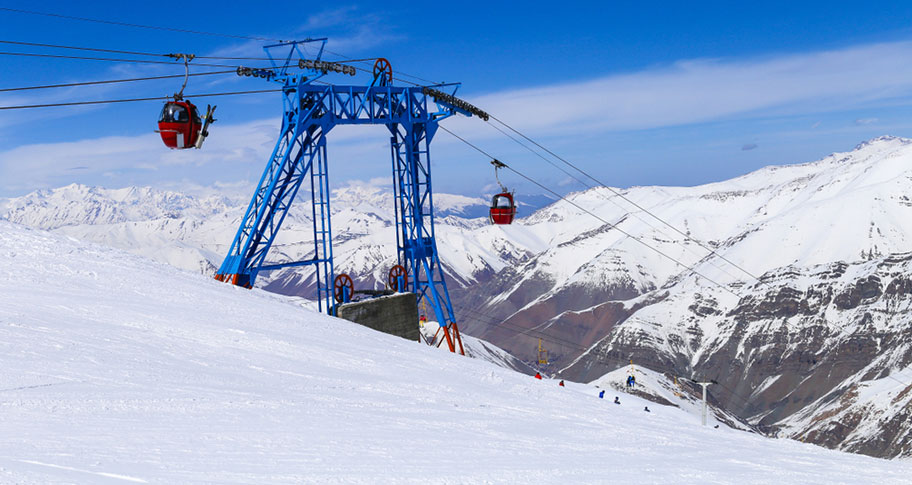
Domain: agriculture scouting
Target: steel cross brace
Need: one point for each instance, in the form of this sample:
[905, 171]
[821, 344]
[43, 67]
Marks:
[310, 112]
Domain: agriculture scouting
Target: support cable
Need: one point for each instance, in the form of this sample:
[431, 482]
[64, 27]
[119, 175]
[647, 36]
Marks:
[90, 49]
[622, 196]
[609, 199]
[349, 59]
[130, 100]
[140, 26]
[136, 61]
[91, 83]
[509, 327]
[152, 54]
[612, 226]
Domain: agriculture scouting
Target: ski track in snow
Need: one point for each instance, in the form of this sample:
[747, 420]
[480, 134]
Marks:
[117, 369]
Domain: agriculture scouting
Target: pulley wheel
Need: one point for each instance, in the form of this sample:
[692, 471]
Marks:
[384, 68]
[342, 281]
[394, 275]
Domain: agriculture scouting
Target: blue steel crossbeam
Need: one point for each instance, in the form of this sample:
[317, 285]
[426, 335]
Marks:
[310, 112]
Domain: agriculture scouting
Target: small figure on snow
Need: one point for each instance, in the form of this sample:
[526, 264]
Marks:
[561, 383]
[538, 375]
[646, 408]
[602, 394]
[616, 400]
[631, 381]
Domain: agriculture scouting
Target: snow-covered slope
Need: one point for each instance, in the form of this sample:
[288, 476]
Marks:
[117, 369]
[812, 306]
[193, 233]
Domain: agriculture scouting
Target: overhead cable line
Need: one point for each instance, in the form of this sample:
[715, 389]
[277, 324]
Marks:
[198, 32]
[90, 83]
[621, 195]
[130, 100]
[490, 319]
[141, 26]
[349, 59]
[91, 49]
[609, 199]
[149, 54]
[612, 226]
[137, 61]
[602, 358]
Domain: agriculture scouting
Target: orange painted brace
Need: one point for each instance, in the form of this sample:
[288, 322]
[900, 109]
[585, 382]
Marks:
[458, 338]
[231, 278]
[449, 339]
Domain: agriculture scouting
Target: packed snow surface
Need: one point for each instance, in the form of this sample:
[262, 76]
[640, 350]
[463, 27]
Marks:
[117, 369]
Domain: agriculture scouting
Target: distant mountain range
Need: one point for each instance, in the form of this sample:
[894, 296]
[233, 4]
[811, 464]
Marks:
[788, 286]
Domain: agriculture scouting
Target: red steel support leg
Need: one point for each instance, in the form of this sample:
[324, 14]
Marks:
[458, 338]
[449, 339]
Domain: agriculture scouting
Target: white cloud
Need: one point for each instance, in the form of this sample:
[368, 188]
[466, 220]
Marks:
[373, 182]
[351, 29]
[38, 165]
[695, 91]
[685, 92]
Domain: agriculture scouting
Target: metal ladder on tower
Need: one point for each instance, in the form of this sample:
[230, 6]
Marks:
[319, 187]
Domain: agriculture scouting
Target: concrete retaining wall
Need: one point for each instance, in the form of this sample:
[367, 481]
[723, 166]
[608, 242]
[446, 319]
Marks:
[395, 314]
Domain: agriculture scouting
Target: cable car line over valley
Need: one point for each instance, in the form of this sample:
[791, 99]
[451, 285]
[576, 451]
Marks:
[439, 96]
[325, 67]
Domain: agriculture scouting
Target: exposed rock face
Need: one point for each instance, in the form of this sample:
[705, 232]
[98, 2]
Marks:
[808, 354]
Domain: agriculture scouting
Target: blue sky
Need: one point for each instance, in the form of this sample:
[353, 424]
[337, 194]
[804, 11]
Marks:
[636, 94]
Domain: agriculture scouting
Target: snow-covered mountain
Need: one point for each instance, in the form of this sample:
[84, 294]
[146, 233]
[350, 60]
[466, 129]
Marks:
[117, 369]
[796, 302]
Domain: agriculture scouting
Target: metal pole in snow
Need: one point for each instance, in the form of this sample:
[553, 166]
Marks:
[704, 384]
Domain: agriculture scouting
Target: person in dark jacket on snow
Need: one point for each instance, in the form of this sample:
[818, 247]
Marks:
[646, 408]
[616, 400]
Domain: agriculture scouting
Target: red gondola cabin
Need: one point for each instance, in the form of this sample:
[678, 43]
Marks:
[179, 124]
[502, 209]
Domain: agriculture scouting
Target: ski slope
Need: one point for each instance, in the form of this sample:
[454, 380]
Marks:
[116, 369]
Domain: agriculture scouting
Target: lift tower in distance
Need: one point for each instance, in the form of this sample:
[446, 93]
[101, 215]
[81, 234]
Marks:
[311, 110]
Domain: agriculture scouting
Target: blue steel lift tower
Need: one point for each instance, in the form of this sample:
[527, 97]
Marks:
[310, 111]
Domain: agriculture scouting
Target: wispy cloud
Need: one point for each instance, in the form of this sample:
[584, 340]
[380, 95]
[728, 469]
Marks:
[329, 18]
[231, 151]
[686, 92]
[351, 29]
[866, 121]
[230, 145]
[702, 90]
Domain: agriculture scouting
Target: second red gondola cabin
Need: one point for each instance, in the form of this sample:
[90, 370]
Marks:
[503, 209]
[179, 124]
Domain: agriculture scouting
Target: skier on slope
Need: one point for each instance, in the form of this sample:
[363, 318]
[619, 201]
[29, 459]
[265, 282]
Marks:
[602, 394]
[616, 400]
[538, 375]
[561, 383]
